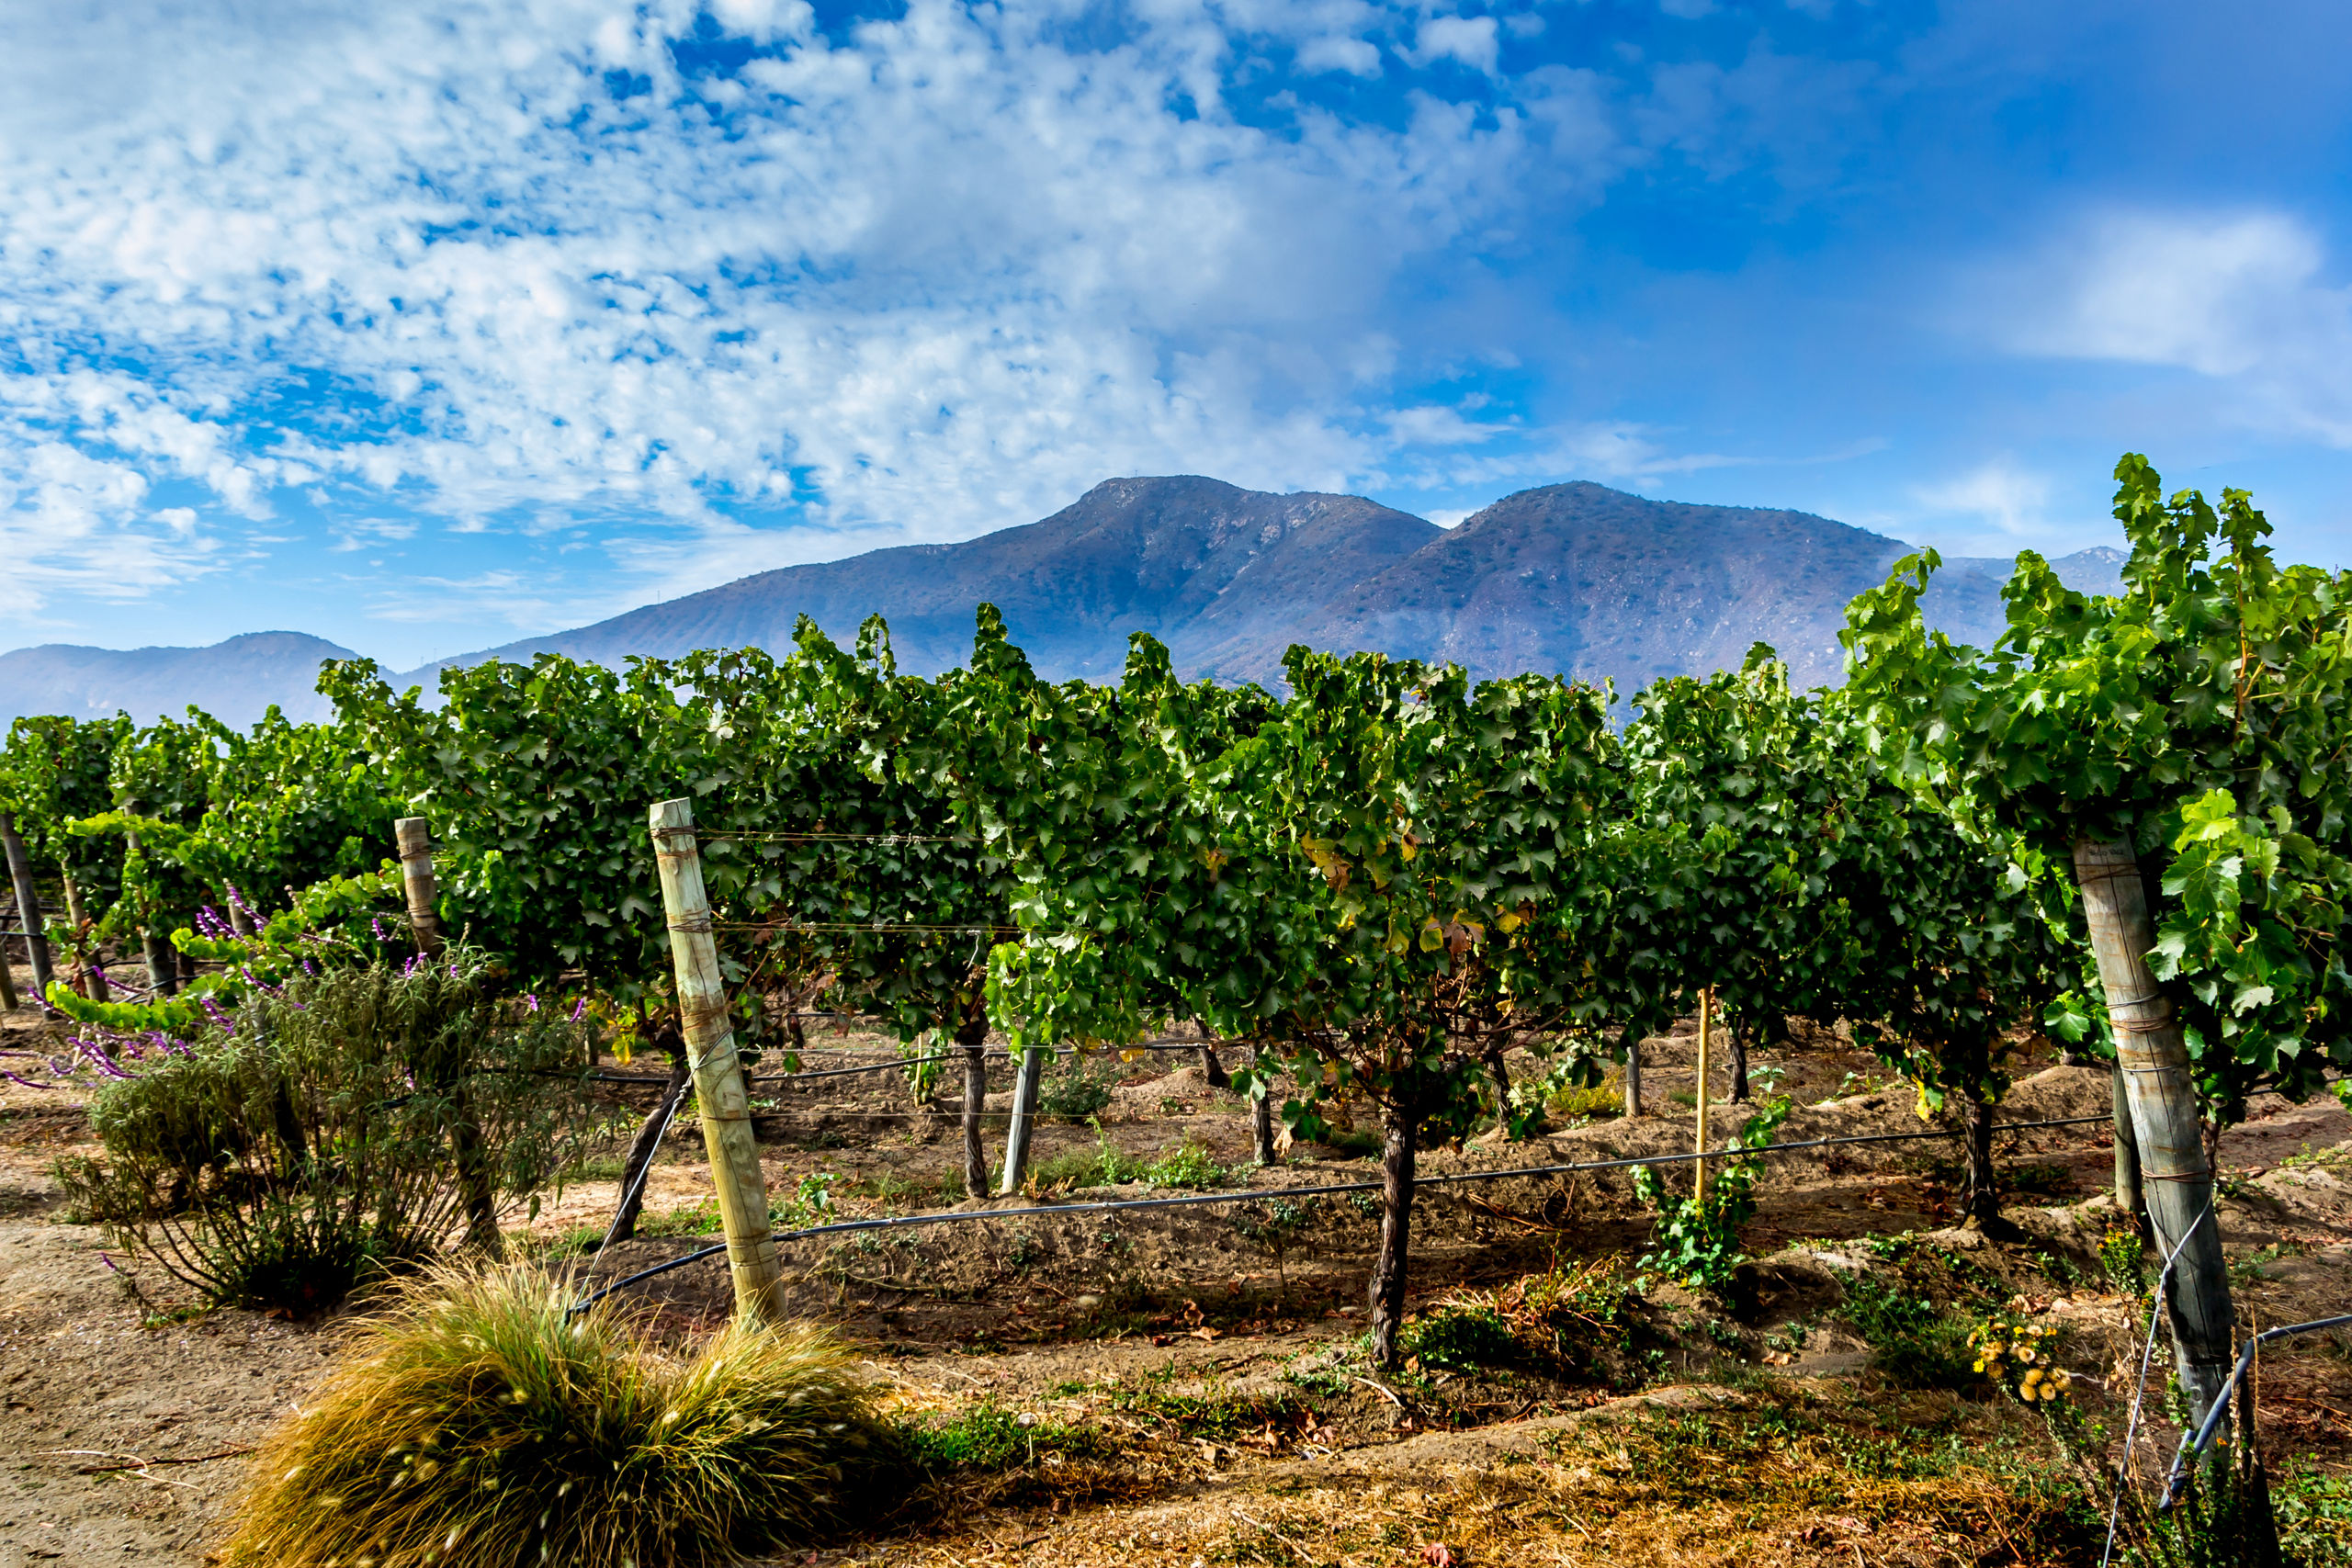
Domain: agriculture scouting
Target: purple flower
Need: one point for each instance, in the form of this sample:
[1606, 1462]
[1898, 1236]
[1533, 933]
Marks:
[453, 971]
[580, 1010]
[377, 927]
[531, 999]
[109, 1263]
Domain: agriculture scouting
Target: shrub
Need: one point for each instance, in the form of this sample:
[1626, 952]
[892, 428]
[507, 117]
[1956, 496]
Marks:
[1465, 1339]
[345, 1125]
[475, 1424]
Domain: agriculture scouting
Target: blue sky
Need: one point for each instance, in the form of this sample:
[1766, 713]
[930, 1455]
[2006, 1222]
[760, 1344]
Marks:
[424, 327]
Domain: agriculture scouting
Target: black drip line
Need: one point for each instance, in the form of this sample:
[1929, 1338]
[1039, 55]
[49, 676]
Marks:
[1326, 1190]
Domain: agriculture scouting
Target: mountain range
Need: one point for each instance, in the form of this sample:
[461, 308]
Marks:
[1578, 579]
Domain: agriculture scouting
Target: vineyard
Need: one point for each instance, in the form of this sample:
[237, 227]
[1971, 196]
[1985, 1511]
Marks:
[1391, 1120]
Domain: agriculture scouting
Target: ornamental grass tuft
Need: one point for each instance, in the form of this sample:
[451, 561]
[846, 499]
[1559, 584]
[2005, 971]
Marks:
[473, 1424]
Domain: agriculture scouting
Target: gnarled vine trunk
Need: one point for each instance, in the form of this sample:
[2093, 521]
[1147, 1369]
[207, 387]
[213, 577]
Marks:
[2127, 1159]
[1261, 1108]
[1982, 1207]
[647, 1142]
[973, 1035]
[1397, 1151]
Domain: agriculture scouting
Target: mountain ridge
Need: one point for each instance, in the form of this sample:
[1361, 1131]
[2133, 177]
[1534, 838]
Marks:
[1576, 579]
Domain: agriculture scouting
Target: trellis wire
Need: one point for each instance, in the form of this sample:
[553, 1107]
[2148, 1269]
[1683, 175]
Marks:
[2147, 1358]
[1198, 1200]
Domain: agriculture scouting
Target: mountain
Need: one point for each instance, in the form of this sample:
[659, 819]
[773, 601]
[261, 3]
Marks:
[1574, 578]
[234, 680]
[1593, 582]
[1196, 562]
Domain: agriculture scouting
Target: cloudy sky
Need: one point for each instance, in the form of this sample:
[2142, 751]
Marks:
[425, 326]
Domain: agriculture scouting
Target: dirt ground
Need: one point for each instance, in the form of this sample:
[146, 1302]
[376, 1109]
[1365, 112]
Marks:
[1207, 1351]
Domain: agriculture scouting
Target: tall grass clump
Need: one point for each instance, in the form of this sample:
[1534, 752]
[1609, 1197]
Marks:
[353, 1123]
[473, 1424]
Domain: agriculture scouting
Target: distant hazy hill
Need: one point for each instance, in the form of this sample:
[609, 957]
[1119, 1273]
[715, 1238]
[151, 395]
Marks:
[1196, 562]
[1575, 578]
[1591, 582]
[234, 680]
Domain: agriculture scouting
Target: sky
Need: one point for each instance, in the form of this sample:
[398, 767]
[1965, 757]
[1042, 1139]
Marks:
[424, 327]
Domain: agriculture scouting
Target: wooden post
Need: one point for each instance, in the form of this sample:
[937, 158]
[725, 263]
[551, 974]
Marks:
[716, 1067]
[1024, 1118]
[1699, 1186]
[1633, 1074]
[466, 1142]
[8, 982]
[2153, 1060]
[416, 882]
[20, 876]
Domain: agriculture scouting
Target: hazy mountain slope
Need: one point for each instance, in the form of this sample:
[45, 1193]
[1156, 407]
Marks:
[234, 680]
[1594, 582]
[1186, 558]
[1574, 578]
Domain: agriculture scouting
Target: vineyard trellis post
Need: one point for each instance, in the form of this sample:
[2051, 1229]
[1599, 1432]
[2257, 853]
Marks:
[716, 1066]
[91, 973]
[466, 1141]
[1025, 1120]
[8, 982]
[20, 876]
[2161, 1095]
[1632, 1073]
[415, 846]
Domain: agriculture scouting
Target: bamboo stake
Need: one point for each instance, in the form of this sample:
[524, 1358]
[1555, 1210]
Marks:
[716, 1067]
[1699, 1166]
[20, 876]
[416, 882]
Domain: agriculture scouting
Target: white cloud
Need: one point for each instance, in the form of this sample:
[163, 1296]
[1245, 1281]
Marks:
[2000, 497]
[1470, 40]
[502, 263]
[2237, 298]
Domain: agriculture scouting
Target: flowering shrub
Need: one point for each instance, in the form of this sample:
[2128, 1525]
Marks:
[338, 1124]
[2015, 1355]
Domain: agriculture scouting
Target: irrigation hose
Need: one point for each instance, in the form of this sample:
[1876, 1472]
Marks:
[1197, 1200]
